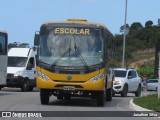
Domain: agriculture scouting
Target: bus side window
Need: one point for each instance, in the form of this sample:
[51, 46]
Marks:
[0, 48]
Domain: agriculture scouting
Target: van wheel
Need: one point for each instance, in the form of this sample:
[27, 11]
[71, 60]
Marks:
[44, 96]
[100, 98]
[24, 86]
[125, 91]
[30, 88]
[138, 92]
[109, 94]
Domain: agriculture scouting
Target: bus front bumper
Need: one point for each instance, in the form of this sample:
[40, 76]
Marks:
[98, 85]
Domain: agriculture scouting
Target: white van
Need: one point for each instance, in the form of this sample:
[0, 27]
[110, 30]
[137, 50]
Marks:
[21, 69]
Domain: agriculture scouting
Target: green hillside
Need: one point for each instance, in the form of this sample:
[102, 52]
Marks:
[142, 45]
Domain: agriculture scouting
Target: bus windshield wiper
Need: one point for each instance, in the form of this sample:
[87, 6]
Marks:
[80, 56]
[58, 59]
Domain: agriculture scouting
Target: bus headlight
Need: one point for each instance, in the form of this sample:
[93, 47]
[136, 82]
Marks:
[97, 77]
[43, 76]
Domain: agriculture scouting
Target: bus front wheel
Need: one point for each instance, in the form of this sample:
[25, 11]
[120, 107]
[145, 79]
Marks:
[100, 98]
[44, 96]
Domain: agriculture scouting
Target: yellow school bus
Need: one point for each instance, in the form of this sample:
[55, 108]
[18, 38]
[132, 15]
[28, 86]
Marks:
[73, 60]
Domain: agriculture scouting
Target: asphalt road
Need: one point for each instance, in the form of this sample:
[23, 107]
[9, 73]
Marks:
[11, 99]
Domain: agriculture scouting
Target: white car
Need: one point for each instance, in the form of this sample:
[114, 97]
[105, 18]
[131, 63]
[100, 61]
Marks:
[126, 80]
[152, 84]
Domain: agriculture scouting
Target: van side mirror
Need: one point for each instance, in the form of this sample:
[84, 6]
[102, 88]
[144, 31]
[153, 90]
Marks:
[36, 39]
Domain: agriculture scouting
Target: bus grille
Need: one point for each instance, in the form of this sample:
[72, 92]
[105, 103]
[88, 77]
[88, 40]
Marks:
[69, 81]
[76, 86]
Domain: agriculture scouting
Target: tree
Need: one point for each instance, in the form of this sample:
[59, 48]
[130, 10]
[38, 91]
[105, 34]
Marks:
[140, 38]
[136, 26]
[145, 71]
[148, 24]
[17, 44]
[11, 45]
[24, 45]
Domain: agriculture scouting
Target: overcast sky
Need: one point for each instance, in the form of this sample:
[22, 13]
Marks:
[21, 18]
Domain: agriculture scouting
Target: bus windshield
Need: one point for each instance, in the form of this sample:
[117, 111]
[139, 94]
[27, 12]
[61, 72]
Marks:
[76, 46]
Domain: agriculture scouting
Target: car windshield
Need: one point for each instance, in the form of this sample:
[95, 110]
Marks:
[17, 61]
[152, 81]
[120, 73]
[76, 46]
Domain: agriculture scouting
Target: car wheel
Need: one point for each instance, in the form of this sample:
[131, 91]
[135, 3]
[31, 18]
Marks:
[138, 92]
[44, 96]
[125, 91]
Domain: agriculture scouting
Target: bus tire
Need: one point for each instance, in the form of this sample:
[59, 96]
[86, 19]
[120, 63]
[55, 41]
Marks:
[109, 94]
[44, 96]
[100, 98]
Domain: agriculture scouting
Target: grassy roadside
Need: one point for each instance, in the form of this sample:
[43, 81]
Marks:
[149, 102]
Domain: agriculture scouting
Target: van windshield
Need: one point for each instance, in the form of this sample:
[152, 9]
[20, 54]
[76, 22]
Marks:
[17, 61]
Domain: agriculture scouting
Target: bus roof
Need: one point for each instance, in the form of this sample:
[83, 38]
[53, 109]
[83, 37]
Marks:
[77, 21]
[3, 31]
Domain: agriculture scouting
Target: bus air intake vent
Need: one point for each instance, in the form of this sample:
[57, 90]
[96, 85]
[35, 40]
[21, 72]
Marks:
[81, 20]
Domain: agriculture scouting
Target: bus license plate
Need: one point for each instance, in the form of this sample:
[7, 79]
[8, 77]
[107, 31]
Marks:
[69, 88]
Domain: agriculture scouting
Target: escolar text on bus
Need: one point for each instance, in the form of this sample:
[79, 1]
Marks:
[71, 31]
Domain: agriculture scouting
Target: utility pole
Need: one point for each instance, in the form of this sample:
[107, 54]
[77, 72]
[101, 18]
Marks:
[124, 36]
[159, 77]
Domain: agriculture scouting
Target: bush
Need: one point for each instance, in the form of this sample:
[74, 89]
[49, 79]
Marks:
[146, 71]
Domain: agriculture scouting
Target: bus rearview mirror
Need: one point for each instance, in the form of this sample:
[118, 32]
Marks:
[36, 39]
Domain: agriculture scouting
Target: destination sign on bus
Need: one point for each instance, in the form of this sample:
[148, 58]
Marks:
[72, 31]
